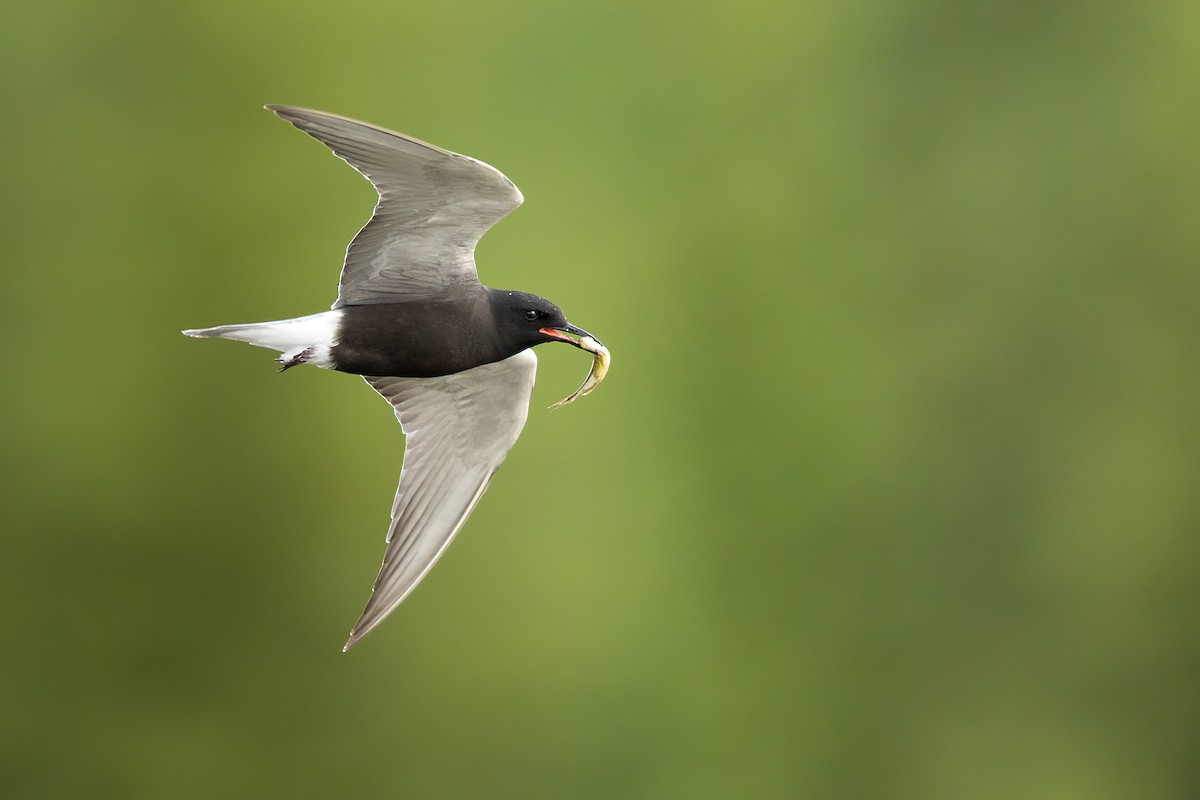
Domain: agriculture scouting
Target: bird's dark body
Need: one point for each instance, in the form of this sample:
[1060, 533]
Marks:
[429, 338]
[416, 339]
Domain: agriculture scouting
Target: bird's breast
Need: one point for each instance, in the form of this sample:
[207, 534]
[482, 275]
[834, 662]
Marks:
[414, 340]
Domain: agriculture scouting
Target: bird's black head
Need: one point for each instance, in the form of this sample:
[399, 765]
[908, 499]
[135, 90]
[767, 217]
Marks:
[525, 320]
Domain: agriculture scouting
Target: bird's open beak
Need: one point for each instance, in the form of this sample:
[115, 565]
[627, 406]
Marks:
[571, 335]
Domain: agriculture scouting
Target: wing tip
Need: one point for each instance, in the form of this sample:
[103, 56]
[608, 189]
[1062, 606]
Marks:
[366, 622]
[357, 633]
[284, 111]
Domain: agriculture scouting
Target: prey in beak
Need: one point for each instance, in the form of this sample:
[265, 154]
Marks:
[584, 341]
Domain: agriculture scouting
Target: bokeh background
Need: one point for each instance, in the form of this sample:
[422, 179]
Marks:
[891, 491]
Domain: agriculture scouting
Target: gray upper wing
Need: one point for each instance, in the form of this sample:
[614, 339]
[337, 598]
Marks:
[433, 208]
[458, 429]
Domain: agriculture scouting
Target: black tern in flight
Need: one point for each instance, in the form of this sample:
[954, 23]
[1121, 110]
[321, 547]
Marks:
[451, 355]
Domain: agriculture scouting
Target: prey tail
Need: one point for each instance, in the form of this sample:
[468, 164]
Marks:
[301, 340]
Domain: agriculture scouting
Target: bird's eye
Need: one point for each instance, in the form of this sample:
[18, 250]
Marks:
[531, 315]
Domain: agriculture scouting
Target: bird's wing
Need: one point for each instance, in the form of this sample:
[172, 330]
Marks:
[433, 208]
[458, 429]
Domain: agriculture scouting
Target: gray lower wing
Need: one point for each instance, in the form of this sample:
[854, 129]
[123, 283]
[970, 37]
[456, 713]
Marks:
[458, 430]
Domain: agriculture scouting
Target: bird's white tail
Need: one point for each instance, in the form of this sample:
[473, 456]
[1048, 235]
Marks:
[316, 332]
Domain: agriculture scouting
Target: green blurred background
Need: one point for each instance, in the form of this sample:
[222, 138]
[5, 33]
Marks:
[891, 491]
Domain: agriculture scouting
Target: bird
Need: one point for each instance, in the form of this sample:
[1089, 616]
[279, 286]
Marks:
[451, 356]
